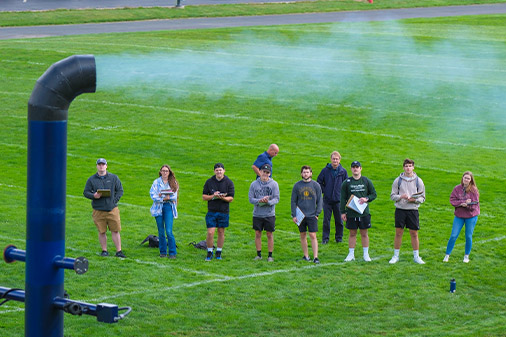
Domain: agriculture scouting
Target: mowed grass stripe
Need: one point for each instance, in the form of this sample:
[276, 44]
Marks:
[191, 127]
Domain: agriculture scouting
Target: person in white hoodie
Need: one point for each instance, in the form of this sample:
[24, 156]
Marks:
[408, 192]
[264, 195]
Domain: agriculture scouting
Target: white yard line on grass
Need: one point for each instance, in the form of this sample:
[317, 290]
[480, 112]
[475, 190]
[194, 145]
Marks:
[227, 278]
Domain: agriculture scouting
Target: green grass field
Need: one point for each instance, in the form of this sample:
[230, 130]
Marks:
[428, 89]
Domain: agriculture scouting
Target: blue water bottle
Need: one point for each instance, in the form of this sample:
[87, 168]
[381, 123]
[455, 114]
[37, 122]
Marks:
[453, 285]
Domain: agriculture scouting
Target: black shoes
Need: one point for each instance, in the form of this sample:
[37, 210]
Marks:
[120, 254]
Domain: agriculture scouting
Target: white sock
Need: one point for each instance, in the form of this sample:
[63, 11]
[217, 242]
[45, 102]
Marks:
[396, 252]
[219, 249]
[366, 250]
[415, 253]
[210, 249]
[352, 251]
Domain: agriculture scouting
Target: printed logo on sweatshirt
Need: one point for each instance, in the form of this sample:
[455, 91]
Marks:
[307, 193]
[357, 188]
[263, 191]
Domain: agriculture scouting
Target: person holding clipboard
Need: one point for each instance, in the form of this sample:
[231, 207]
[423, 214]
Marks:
[306, 206]
[465, 198]
[164, 193]
[105, 189]
[356, 192]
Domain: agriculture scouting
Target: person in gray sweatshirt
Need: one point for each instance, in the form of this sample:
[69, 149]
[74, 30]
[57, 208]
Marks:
[408, 192]
[306, 206]
[264, 195]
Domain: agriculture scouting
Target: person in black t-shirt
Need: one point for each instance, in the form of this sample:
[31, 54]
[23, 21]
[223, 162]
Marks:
[219, 193]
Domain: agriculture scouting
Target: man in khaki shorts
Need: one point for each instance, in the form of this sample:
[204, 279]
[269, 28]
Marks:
[105, 189]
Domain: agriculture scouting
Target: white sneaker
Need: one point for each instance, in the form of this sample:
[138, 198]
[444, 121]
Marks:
[394, 259]
[349, 258]
[466, 259]
[447, 257]
[418, 260]
[367, 258]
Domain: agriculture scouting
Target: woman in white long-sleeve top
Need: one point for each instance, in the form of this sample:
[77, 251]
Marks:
[164, 193]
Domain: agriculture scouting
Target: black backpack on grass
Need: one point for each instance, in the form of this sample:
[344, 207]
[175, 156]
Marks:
[152, 241]
[199, 245]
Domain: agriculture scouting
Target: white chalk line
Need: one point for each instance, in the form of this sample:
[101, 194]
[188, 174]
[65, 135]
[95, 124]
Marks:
[379, 92]
[190, 173]
[139, 261]
[287, 56]
[254, 275]
[256, 119]
[234, 278]
[309, 265]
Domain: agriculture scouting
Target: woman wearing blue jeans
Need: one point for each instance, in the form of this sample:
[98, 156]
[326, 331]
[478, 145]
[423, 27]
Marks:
[465, 198]
[164, 193]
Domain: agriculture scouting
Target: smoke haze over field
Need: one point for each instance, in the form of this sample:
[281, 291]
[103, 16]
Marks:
[375, 64]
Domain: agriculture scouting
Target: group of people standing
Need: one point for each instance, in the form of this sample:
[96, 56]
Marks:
[332, 193]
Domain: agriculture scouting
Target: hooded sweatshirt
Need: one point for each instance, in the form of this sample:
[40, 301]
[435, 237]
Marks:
[259, 189]
[408, 186]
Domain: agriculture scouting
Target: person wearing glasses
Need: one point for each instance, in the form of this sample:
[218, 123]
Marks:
[164, 193]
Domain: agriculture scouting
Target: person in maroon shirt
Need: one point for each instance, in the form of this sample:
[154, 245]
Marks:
[465, 198]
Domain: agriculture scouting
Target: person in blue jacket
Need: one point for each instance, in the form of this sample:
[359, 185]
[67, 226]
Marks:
[331, 179]
[164, 193]
[265, 158]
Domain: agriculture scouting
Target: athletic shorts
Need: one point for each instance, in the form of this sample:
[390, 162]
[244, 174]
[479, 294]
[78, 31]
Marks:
[407, 218]
[264, 224]
[356, 223]
[309, 224]
[217, 219]
[104, 219]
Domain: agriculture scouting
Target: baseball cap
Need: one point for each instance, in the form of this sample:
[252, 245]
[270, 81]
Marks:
[356, 163]
[266, 167]
[101, 161]
[217, 165]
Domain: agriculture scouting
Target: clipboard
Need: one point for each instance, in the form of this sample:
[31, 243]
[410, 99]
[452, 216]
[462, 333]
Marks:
[354, 204]
[104, 191]
[299, 215]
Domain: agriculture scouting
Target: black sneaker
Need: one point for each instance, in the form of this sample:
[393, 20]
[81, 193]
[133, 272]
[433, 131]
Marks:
[209, 256]
[324, 242]
[104, 253]
[120, 254]
[218, 255]
[306, 259]
[316, 260]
